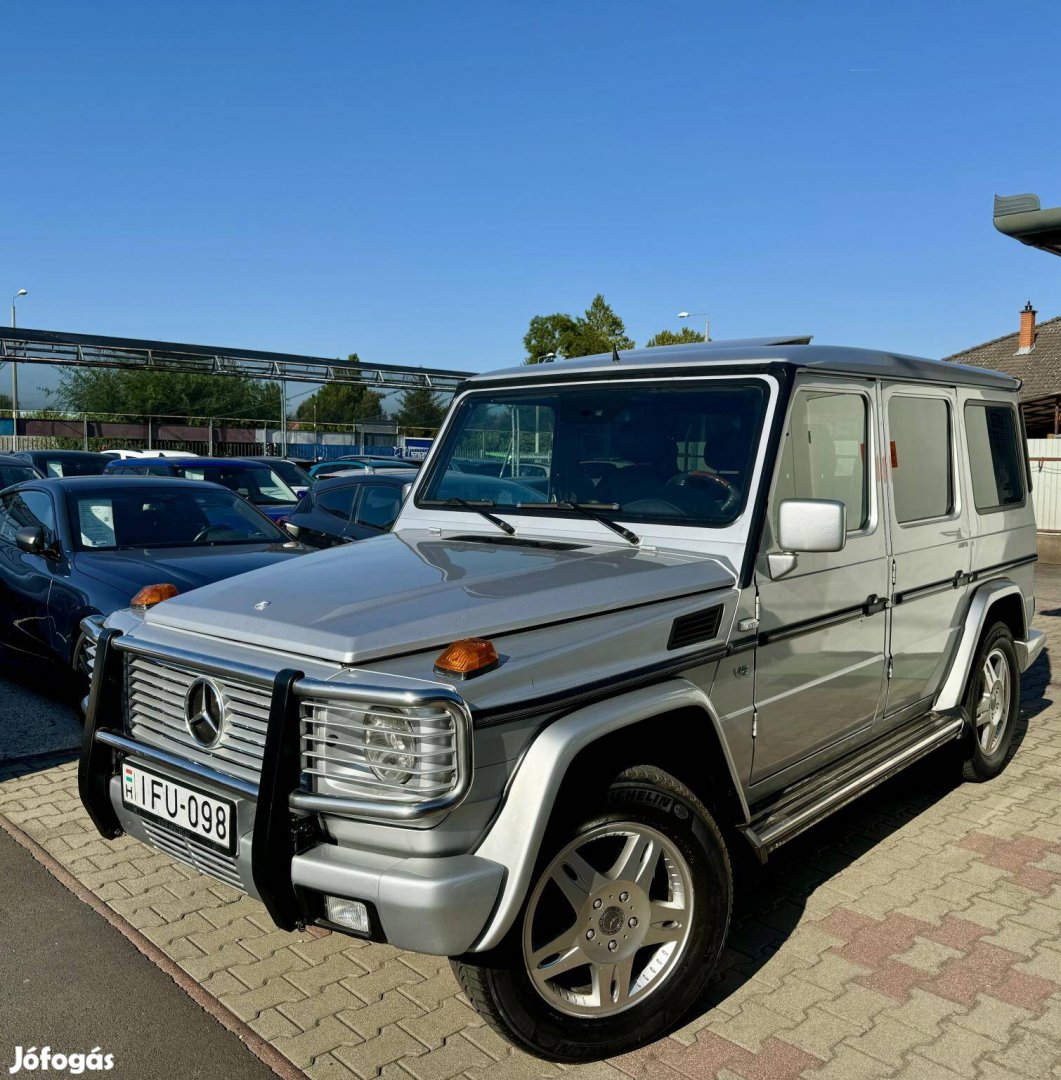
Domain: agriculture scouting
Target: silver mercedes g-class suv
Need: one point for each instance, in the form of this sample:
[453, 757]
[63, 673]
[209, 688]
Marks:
[639, 610]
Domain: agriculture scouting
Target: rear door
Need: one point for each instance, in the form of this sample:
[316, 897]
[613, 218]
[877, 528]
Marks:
[929, 527]
[822, 627]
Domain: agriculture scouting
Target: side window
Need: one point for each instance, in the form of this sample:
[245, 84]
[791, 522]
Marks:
[995, 459]
[920, 456]
[22, 508]
[339, 502]
[824, 454]
[379, 506]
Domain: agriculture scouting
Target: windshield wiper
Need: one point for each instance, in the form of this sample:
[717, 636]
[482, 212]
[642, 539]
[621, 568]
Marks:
[479, 508]
[566, 504]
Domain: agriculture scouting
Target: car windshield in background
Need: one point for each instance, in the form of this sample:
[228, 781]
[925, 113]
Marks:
[15, 474]
[675, 455]
[258, 484]
[146, 516]
[292, 474]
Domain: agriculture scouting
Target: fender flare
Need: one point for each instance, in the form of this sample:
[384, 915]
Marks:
[515, 837]
[985, 597]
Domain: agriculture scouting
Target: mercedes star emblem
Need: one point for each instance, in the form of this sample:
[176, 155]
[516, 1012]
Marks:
[204, 712]
[262, 605]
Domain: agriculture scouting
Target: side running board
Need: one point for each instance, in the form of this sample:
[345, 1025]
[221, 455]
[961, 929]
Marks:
[806, 803]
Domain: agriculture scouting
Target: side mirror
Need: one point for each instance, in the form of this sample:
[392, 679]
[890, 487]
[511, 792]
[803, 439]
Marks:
[292, 530]
[807, 525]
[33, 540]
[406, 489]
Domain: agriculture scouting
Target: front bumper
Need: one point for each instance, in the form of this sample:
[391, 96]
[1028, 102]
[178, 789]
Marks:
[434, 905]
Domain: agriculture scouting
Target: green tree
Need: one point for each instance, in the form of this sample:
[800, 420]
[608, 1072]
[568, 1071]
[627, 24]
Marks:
[595, 331]
[342, 403]
[166, 395]
[5, 403]
[420, 409]
[686, 336]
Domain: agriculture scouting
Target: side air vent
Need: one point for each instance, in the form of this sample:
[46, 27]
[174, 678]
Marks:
[699, 626]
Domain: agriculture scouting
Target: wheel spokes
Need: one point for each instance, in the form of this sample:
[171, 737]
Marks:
[637, 861]
[575, 878]
[611, 983]
[666, 923]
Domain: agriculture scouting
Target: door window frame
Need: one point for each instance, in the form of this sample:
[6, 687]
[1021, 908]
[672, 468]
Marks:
[933, 393]
[1022, 453]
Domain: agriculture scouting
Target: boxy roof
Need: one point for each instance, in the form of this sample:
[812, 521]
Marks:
[714, 357]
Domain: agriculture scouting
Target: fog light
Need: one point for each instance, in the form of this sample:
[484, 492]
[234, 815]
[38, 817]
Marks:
[349, 913]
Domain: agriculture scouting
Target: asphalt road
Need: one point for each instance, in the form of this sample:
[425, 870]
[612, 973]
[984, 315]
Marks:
[32, 721]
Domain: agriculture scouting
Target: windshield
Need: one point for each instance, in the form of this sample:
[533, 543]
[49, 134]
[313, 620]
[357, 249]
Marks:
[258, 484]
[143, 515]
[15, 474]
[679, 454]
[291, 474]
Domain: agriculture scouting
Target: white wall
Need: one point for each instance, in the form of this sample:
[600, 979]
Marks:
[1046, 482]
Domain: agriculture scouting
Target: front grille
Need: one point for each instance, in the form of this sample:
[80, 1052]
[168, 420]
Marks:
[385, 753]
[199, 856]
[155, 694]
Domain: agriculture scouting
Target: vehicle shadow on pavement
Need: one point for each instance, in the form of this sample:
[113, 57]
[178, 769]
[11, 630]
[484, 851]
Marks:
[39, 725]
[771, 901]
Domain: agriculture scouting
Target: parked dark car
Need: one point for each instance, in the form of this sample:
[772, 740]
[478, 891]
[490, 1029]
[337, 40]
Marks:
[357, 463]
[65, 462]
[292, 472]
[252, 478]
[14, 470]
[349, 508]
[81, 546]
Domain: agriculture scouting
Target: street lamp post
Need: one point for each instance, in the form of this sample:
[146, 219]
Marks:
[14, 377]
[698, 315]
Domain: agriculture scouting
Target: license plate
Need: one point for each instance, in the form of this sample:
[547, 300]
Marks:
[182, 808]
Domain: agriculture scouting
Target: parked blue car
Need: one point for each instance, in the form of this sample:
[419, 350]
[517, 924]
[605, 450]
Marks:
[81, 546]
[256, 481]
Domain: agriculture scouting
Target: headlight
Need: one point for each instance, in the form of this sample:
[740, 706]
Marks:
[390, 747]
[395, 753]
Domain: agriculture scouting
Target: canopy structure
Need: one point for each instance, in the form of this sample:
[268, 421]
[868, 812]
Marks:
[25, 346]
[1022, 217]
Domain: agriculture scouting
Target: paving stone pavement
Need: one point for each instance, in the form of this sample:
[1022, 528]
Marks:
[916, 935]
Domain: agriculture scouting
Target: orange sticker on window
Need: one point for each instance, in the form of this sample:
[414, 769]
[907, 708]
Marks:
[895, 455]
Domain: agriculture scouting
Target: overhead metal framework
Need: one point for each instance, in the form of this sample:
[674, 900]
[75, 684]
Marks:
[24, 346]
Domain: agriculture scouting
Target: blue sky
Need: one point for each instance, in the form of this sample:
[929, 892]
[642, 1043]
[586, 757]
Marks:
[414, 181]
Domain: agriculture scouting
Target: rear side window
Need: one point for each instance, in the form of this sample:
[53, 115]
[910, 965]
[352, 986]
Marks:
[379, 507]
[338, 502]
[920, 454]
[995, 459]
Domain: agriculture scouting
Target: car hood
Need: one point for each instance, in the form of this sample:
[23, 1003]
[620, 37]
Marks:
[401, 593]
[187, 568]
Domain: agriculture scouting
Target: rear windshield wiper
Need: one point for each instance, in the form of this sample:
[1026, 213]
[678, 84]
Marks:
[566, 504]
[480, 508]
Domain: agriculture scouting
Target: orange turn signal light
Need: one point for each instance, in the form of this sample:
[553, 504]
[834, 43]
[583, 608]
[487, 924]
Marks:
[150, 595]
[467, 658]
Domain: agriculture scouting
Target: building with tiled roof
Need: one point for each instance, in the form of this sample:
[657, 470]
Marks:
[1033, 355]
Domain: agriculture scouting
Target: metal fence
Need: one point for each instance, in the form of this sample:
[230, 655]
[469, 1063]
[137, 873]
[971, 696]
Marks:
[1045, 458]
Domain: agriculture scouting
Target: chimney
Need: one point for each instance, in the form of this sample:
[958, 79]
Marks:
[1026, 338]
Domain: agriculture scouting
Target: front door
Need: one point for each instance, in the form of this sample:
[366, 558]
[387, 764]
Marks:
[822, 627]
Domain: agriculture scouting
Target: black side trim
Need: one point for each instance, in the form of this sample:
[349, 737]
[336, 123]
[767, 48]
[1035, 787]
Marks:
[96, 765]
[697, 626]
[276, 838]
[598, 690]
[870, 606]
[960, 578]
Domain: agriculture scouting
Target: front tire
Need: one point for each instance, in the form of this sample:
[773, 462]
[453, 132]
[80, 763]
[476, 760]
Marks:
[992, 700]
[625, 921]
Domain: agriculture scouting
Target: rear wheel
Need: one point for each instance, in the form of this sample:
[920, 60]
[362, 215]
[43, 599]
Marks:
[624, 923]
[992, 700]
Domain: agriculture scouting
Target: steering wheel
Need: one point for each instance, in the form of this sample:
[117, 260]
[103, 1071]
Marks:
[718, 487]
[211, 532]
